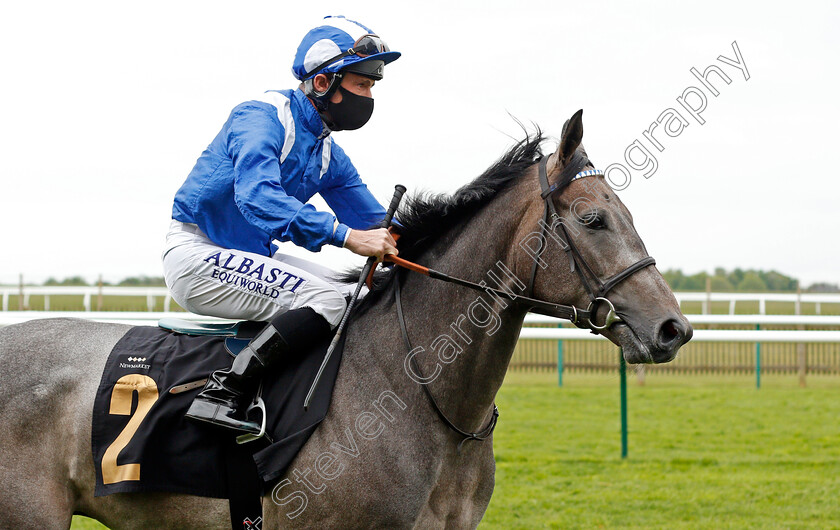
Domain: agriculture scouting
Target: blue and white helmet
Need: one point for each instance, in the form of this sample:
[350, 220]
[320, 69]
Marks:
[341, 44]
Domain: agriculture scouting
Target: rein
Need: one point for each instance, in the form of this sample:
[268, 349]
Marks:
[584, 318]
[481, 435]
[566, 312]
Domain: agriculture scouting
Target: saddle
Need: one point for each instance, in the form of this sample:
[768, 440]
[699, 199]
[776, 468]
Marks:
[236, 334]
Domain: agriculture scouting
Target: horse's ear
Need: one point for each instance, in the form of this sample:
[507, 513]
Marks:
[571, 136]
[570, 140]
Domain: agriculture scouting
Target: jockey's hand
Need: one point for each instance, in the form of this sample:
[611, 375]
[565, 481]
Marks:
[373, 243]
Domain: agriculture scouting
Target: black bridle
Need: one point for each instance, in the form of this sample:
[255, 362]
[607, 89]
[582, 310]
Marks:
[572, 171]
[585, 318]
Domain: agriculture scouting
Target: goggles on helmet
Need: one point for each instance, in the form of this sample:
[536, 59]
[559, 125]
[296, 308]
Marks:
[366, 46]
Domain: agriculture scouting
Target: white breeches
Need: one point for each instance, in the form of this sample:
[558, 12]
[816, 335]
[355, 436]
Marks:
[207, 279]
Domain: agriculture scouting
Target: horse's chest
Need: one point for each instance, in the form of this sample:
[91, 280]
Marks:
[462, 492]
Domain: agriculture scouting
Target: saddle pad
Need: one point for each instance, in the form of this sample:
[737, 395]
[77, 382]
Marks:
[142, 442]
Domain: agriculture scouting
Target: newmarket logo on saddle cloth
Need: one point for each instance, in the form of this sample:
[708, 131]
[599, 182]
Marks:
[135, 363]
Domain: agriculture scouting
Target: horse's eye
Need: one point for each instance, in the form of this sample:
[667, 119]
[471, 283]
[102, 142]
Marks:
[593, 221]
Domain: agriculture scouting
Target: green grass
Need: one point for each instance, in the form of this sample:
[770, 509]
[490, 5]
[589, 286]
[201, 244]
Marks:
[704, 452]
[75, 303]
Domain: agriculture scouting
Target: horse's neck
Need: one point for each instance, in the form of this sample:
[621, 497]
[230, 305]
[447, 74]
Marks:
[444, 318]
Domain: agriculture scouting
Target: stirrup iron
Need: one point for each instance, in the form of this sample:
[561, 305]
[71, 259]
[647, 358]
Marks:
[249, 437]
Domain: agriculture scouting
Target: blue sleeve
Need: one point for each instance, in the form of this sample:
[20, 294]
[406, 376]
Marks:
[350, 198]
[255, 141]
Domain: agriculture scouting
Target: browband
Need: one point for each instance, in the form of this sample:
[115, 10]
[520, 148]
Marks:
[570, 173]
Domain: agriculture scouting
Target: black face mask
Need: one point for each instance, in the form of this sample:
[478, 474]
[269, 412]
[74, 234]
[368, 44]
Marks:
[353, 111]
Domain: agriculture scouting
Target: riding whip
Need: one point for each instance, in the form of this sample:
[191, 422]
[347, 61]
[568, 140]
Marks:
[386, 222]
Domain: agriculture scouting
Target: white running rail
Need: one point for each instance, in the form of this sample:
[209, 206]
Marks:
[151, 293]
[87, 293]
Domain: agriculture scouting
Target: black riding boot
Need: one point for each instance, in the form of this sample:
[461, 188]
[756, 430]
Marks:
[228, 393]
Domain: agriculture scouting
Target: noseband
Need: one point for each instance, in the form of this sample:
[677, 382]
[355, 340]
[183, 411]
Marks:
[572, 171]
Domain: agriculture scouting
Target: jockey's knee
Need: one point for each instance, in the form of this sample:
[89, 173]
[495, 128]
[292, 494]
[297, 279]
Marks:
[325, 300]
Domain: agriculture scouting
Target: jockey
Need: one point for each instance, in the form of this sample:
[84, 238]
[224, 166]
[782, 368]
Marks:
[251, 186]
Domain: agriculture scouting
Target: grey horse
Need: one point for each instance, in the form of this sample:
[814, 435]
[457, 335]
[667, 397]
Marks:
[382, 458]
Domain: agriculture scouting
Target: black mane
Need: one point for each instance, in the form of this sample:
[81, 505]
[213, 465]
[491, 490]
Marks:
[425, 217]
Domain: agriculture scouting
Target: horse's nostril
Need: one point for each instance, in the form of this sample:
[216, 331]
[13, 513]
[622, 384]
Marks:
[670, 332]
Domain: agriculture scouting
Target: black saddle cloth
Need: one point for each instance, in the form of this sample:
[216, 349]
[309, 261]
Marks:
[178, 455]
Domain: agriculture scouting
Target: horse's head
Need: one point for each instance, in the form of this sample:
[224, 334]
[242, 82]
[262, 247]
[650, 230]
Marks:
[602, 246]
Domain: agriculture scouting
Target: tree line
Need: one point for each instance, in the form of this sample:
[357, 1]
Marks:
[740, 280]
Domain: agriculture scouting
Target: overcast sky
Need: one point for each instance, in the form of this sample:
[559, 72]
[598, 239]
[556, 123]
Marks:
[106, 106]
